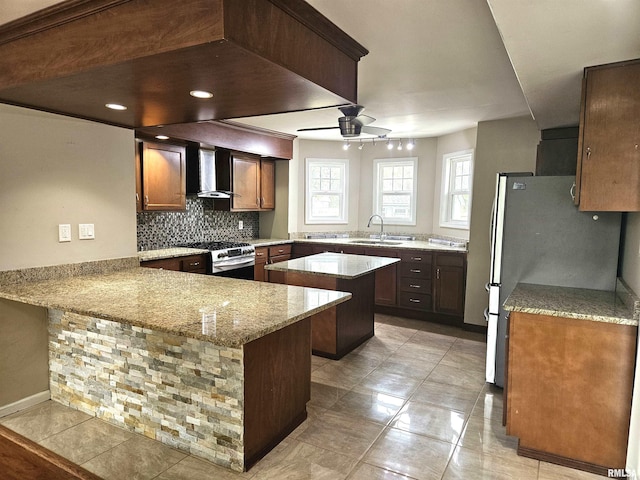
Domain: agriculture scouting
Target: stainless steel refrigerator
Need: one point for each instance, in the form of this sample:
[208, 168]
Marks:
[538, 236]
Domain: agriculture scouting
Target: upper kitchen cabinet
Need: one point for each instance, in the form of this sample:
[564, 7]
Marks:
[161, 181]
[250, 178]
[608, 169]
[256, 57]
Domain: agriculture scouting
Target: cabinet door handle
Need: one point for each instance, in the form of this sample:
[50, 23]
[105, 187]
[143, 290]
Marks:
[414, 300]
[415, 270]
[146, 200]
[137, 197]
[417, 259]
[414, 286]
[194, 264]
[280, 250]
[438, 273]
[588, 152]
[572, 191]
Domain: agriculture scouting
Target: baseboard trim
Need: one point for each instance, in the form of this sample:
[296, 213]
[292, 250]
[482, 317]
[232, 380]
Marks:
[560, 460]
[25, 403]
[472, 327]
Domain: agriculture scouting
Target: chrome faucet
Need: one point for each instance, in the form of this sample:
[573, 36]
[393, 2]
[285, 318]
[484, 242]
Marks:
[381, 225]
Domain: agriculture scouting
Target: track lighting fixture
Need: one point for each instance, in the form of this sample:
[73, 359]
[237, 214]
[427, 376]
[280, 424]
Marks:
[346, 145]
[411, 144]
[389, 142]
[400, 145]
[389, 145]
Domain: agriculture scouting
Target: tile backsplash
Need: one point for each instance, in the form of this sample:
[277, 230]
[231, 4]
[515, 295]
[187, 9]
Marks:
[197, 224]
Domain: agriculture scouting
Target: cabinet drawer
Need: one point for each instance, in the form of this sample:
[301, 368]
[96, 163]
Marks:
[262, 254]
[278, 250]
[415, 285]
[194, 264]
[415, 270]
[422, 258]
[452, 260]
[417, 301]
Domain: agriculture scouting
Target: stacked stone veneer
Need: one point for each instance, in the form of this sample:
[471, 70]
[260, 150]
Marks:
[185, 392]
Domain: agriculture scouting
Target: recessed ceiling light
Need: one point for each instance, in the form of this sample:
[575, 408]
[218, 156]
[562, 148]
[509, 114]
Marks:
[200, 94]
[115, 106]
[162, 137]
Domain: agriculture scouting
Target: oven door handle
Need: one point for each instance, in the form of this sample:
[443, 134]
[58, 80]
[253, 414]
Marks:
[233, 263]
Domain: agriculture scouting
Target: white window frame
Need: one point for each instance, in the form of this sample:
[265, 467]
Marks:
[343, 217]
[378, 164]
[447, 192]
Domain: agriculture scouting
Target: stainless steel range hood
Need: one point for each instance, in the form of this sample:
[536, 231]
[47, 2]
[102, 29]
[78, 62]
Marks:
[201, 174]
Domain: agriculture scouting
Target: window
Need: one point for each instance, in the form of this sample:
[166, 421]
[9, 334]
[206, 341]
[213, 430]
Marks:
[395, 190]
[455, 203]
[326, 191]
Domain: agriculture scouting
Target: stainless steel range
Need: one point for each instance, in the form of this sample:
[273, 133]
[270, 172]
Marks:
[229, 259]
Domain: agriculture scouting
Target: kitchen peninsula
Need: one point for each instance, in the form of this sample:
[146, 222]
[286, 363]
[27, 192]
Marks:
[217, 367]
[339, 329]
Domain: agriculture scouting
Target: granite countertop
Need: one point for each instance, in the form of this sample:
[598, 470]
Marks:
[224, 311]
[579, 303]
[338, 265]
[162, 253]
[399, 244]
[146, 255]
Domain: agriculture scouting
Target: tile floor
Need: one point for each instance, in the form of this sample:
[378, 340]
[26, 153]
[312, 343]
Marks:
[411, 403]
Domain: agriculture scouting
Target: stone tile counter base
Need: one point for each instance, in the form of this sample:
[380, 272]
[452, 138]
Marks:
[185, 392]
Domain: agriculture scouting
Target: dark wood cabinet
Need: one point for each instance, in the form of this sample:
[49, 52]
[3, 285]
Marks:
[449, 285]
[414, 287]
[242, 174]
[160, 177]
[386, 278]
[608, 168]
[425, 284]
[271, 254]
[570, 384]
[192, 263]
[267, 184]
[259, 273]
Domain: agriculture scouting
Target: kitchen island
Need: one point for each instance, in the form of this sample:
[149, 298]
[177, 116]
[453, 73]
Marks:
[571, 359]
[341, 328]
[216, 367]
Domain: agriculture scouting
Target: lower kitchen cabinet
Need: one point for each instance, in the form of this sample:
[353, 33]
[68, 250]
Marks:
[386, 278]
[270, 254]
[414, 287]
[449, 288]
[569, 389]
[191, 263]
[259, 273]
[425, 284]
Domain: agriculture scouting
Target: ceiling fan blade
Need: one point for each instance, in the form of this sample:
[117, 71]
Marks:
[363, 120]
[315, 128]
[380, 132]
[351, 110]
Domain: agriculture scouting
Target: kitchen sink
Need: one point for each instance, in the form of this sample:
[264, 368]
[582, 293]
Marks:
[375, 242]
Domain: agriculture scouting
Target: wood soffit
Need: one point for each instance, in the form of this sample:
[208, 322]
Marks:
[253, 55]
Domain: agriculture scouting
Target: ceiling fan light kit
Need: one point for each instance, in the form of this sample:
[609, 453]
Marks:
[352, 124]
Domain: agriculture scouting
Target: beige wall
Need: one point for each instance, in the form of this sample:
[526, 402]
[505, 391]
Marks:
[361, 183]
[24, 359]
[502, 146]
[57, 170]
[454, 142]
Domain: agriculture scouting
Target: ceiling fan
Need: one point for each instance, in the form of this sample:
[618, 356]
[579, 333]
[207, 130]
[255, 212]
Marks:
[353, 124]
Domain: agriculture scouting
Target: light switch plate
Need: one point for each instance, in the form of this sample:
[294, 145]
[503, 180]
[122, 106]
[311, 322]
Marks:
[64, 232]
[86, 231]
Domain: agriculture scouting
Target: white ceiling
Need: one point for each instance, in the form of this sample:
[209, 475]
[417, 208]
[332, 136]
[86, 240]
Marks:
[440, 66]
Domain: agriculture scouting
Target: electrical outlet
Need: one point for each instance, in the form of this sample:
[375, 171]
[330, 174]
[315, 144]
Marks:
[64, 232]
[240, 225]
[86, 231]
